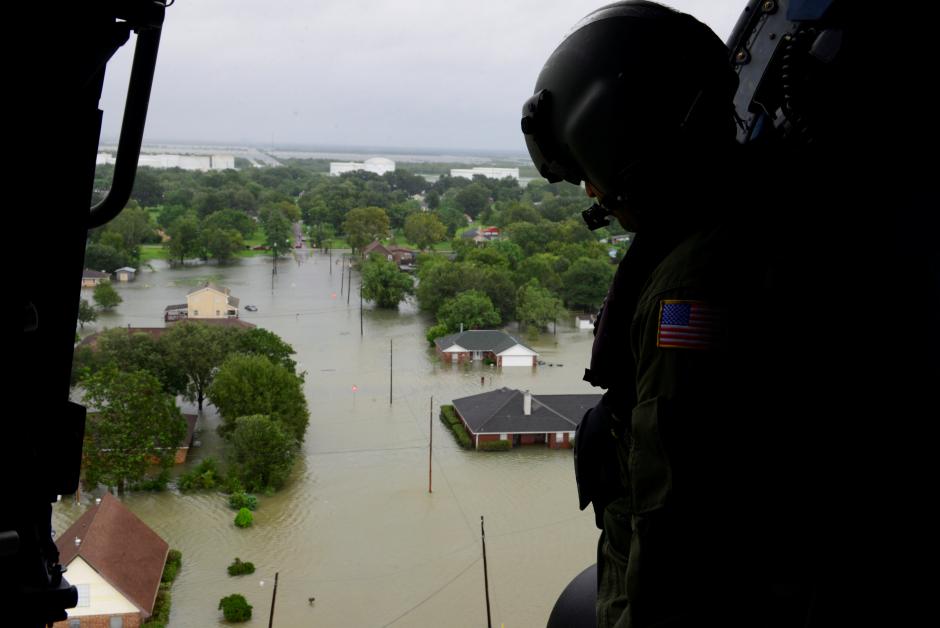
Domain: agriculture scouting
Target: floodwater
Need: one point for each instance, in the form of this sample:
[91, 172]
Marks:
[356, 527]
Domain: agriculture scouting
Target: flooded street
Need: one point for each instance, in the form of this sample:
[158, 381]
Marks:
[355, 527]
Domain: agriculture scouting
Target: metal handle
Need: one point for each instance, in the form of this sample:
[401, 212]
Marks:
[132, 127]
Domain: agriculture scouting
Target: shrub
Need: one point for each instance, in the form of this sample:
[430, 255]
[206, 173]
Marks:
[243, 500]
[235, 608]
[462, 436]
[496, 445]
[239, 568]
[205, 476]
[156, 484]
[244, 518]
[174, 560]
[449, 415]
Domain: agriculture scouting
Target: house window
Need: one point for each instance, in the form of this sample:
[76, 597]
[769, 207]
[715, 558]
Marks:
[218, 313]
[75, 623]
[504, 437]
[195, 312]
[117, 621]
[560, 438]
[84, 595]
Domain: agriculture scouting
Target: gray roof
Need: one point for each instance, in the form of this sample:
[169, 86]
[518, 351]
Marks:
[493, 340]
[470, 233]
[501, 411]
[94, 274]
[180, 306]
[233, 301]
[126, 269]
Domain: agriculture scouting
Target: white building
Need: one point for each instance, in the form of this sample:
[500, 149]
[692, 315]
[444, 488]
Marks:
[492, 173]
[203, 163]
[378, 165]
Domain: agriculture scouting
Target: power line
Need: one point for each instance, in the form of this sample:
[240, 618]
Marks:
[444, 586]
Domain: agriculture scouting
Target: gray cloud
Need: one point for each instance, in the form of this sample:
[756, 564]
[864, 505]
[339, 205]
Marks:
[413, 73]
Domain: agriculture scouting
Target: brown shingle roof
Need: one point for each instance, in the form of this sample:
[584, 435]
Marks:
[121, 548]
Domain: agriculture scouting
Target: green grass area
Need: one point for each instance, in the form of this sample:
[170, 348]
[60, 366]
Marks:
[150, 252]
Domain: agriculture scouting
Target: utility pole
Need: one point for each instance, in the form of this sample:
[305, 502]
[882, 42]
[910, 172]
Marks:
[349, 284]
[391, 353]
[486, 580]
[431, 441]
[360, 310]
[273, 599]
[330, 251]
[341, 275]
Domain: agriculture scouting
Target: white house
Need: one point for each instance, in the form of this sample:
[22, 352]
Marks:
[485, 344]
[116, 562]
[125, 274]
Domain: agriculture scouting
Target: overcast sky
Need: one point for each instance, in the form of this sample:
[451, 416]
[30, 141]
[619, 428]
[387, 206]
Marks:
[395, 73]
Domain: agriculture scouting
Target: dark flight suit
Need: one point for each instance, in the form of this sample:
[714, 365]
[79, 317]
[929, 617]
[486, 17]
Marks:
[685, 346]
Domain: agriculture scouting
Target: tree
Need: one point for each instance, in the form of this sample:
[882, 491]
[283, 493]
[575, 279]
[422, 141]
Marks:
[134, 226]
[261, 453]
[104, 257]
[135, 423]
[260, 341]
[196, 350]
[536, 306]
[471, 310]
[148, 189]
[383, 283]
[185, 238]
[252, 384]
[472, 199]
[277, 230]
[228, 219]
[542, 267]
[440, 281]
[244, 518]
[139, 352]
[222, 244]
[433, 199]
[586, 282]
[424, 229]
[106, 297]
[365, 224]
[86, 313]
[235, 608]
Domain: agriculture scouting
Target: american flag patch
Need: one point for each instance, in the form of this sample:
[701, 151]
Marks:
[688, 325]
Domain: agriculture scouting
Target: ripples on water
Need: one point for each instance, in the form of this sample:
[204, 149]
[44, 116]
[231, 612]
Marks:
[356, 527]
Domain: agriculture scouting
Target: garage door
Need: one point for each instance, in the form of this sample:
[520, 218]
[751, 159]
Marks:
[517, 360]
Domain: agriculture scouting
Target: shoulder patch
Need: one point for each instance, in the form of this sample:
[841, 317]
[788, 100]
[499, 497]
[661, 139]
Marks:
[689, 325]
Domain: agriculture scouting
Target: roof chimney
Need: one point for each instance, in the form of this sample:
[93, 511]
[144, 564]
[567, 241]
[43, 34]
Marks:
[527, 403]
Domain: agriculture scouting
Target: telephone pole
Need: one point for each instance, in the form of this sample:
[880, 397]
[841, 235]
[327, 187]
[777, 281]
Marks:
[431, 441]
[273, 599]
[391, 353]
[486, 580]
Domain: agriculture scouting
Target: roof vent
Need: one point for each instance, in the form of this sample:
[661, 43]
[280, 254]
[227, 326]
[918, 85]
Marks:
[78, 541]
[97, 501]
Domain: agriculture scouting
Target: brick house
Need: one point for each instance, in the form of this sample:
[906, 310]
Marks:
[523, 418]
[403, 257]
[115, 561]
[485, 344]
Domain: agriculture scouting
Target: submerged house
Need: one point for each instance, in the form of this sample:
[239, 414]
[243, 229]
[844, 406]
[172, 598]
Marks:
[115, 561]
[485, 344]
[523, 418]
[209, 302]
